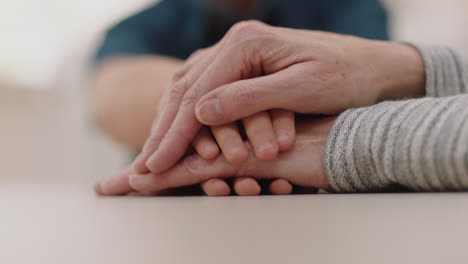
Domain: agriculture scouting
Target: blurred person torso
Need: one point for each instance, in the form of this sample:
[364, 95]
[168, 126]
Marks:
[177, 28]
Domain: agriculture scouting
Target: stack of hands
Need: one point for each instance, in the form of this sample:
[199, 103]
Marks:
[259, 105]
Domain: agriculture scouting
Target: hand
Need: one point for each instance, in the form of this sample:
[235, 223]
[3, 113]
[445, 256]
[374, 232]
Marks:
[256, 67]
[268, 133]
[244, 186]
[280, 126]
[302, 166]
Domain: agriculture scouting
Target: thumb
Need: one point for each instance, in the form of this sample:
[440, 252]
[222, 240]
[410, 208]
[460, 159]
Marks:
[243, 98]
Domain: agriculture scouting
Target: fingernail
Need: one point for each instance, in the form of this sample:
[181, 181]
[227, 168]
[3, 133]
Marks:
[266, 147]
[283, 136]
[151, 163]
[267, 151]
[210, 111]
[139, 165]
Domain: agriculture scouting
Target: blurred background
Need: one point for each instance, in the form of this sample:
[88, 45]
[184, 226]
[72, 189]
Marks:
[47, 131]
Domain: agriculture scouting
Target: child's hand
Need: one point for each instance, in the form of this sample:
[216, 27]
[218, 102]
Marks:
[269, 133]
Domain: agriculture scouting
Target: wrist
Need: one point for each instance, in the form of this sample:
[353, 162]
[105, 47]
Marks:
[325, 180]
[400, 72]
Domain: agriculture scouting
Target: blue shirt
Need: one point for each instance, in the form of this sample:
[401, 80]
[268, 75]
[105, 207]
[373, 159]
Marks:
[177, 28]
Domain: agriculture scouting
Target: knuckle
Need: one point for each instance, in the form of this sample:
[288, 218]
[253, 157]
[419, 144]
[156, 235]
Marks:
[197, 168]
[194, 164]
[189, 99]
[197, 54]
[178, 89]
[179, 74]
[246, 29]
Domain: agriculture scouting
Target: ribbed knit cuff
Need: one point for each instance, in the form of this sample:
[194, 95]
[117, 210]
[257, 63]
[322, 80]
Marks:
[445, 71]
[335, 146]
[417, 144]
[336, 162]
[359, 146]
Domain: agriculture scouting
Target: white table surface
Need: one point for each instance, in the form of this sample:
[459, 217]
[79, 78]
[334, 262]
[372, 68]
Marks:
[58, 224]
[49, 214]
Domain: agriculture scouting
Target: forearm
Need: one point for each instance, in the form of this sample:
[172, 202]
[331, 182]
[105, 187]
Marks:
[126, 93]
[403, 71]
[417, 144]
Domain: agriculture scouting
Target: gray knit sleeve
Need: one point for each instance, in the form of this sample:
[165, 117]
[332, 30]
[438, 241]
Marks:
[446, 74]
[419, 145]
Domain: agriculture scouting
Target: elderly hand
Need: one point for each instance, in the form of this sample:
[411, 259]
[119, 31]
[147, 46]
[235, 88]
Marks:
[302, 166]
[257, 67]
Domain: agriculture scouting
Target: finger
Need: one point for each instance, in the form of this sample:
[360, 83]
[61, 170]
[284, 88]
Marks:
[216, 187]
[281, 187]
[303, 166]
[284, 126]
[216, 72]
[165, 113]
[205, 145]
[192, 170]
[231, 143]
[185, 125]
[246, 186]
[176, 142]
[195, 170]
[162, 122]
[170, 104]
[240, 99]
[116, 185]
[259, 130]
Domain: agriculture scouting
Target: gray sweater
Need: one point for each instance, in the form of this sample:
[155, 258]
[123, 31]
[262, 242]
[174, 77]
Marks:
[417, 145]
